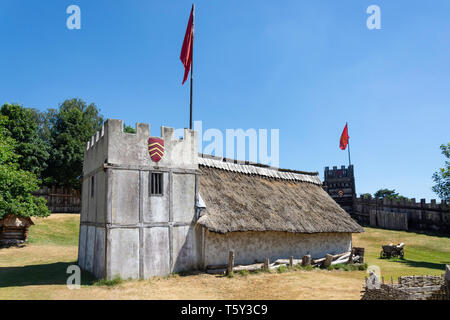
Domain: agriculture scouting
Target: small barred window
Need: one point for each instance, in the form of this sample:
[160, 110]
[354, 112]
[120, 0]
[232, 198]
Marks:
[156, 184]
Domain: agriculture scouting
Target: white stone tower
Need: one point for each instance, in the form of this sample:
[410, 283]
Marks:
[138, 216]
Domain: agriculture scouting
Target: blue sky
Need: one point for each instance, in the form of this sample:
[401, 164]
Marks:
[303, 67]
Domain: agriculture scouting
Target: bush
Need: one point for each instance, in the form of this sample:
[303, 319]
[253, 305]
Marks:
[109, 283]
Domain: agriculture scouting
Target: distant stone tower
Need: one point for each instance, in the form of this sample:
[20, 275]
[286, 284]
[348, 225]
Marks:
[139, 212]
[340, 185]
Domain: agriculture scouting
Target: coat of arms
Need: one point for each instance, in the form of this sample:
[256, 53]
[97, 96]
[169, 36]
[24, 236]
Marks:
[156, 148]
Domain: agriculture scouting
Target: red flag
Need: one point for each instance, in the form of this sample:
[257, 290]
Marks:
[344, 138]
[188, 46]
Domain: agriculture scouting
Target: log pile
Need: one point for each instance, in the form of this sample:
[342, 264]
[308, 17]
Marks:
[354, 256]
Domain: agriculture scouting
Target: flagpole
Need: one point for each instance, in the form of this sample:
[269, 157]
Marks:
[349, 161]
[192, 63]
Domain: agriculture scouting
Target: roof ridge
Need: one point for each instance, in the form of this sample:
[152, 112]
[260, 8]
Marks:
[255, 164]
[214, 162]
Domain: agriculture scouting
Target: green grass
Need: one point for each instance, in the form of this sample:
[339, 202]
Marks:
[108, 283]
[349, 267]
[53, 246]
[425, 254]
[61, 232]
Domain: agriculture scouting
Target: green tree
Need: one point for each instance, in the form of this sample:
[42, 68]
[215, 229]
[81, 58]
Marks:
[365, 195]
[128, 129]
[17, 185]
[69, 129]
[21, 124]
[386, 193]
[442, 177]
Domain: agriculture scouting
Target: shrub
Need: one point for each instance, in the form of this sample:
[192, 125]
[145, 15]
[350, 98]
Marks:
[109, 283]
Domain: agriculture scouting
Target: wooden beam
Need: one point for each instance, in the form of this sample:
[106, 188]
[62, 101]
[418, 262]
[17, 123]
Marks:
[230, 262]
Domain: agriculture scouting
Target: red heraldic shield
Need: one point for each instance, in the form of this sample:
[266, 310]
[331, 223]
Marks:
[156, 148]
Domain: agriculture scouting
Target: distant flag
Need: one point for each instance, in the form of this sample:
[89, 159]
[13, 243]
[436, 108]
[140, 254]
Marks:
[344, 138]
[344, 142]
[188, 46]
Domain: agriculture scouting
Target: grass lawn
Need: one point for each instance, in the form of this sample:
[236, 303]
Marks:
[38, 271]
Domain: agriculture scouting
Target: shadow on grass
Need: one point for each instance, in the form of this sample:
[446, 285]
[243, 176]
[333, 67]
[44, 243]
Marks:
[421, 264]
[43, 274]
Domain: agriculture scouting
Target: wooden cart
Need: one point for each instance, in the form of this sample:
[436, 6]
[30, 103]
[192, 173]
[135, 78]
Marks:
[392, 251]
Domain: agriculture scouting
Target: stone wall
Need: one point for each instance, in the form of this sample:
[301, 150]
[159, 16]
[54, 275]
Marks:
[251, 247]
[125, 231]
[410, 288]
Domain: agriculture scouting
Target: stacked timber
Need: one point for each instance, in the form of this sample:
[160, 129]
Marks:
[354, 256]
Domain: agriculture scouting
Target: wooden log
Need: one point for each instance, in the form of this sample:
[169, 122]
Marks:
[328, 260]
[337, 256]
[230, 262]
[306, 260]
[273, 267]
[286, 261]
[291, 261]
[266, 264]
[344, 261]
[318, 261]
[251, 267]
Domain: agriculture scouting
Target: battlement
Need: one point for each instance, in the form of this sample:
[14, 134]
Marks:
[338, 173]
[111, 145]
[404, 203]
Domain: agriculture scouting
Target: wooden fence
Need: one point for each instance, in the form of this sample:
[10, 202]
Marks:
[61, 200]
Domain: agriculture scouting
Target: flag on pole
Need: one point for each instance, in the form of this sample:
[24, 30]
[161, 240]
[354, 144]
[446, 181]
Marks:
[188, 46]
[344, 138]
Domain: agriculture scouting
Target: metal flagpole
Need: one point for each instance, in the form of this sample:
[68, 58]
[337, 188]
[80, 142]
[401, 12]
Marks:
[349, 161]
[192, 61]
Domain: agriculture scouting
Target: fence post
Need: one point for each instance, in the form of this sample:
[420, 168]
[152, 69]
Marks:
[266, 263]
[328, 260]
[447, 280]
[291, 261]
[306, 260]
[230, 263]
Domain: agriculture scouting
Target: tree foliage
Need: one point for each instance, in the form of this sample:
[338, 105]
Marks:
[442, 176]
[68, 129]
[16, 185]
[21, 125]
[388, 194]
[128, 129]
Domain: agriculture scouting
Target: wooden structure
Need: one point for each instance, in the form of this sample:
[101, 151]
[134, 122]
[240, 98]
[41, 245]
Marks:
[392, 251]
[14, 229]
[340, 185]
[61, 200]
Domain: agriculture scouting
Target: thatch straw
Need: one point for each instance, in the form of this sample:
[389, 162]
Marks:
[242, 202]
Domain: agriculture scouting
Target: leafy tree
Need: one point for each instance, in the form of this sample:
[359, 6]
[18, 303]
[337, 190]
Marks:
[388, 194]
[129, 129]
[16, 185]
[22, 126]
[366, 195]
[69, 129]
[442, 177]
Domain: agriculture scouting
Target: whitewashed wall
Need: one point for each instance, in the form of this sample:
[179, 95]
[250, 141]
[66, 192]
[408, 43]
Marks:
[251, 247]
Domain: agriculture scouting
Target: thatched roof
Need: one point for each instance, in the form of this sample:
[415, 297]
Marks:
[239, 201]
